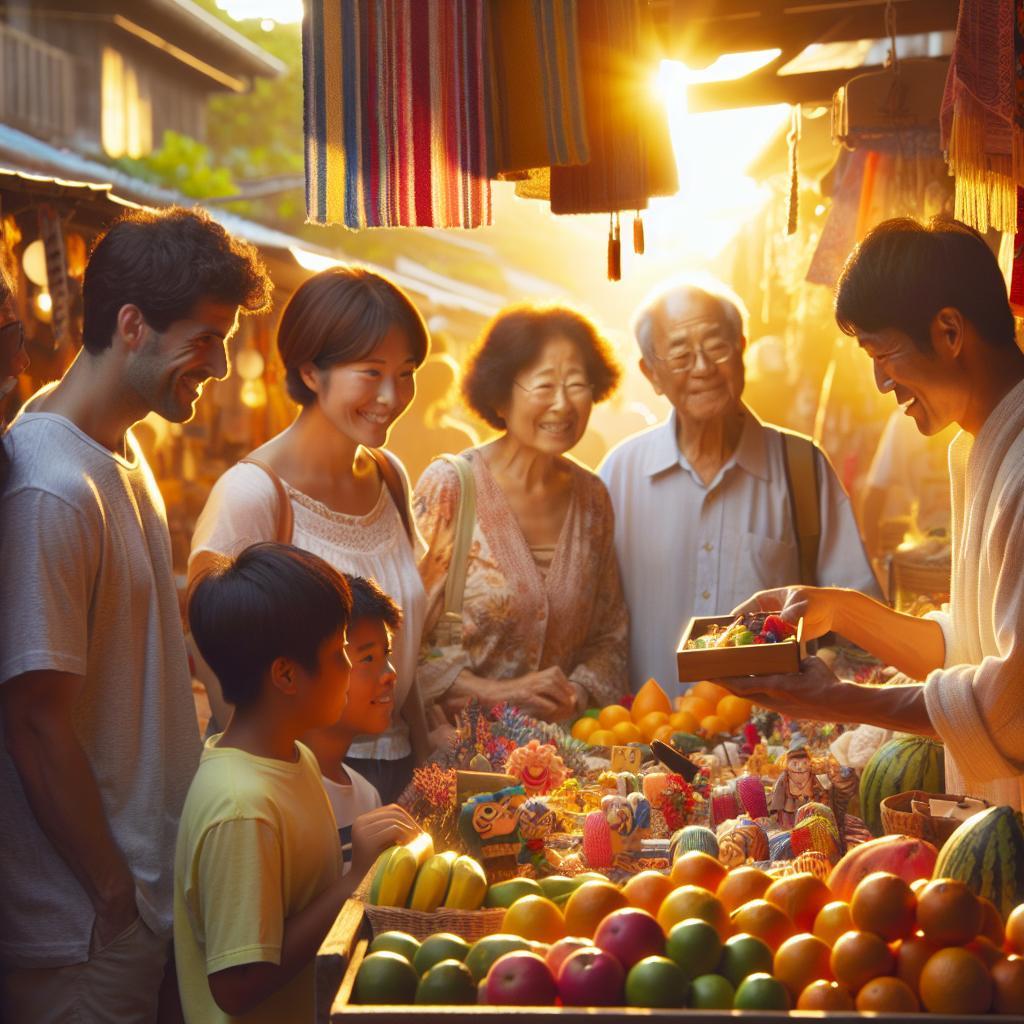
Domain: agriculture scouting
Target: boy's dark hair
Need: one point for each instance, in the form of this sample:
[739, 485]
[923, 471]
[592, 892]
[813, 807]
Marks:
[340, 316]
[514, 339]
[272, 601]
[165, 262]
[370, 602]
[903, 273]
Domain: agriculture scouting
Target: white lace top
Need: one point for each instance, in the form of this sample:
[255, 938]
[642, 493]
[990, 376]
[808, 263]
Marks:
[243, 509]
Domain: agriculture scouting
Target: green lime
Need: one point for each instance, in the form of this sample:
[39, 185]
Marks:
[710, 992]
[401, 943]
[438, 947]
[656, 981]
[504, 894]
[385, 977]
[761, 991]
[591, 713]
[448, 983]
[743, 955]
[485, 951]
[695, 945]
[555, 886]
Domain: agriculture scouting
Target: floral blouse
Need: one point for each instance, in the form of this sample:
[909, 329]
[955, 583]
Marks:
[516, 619]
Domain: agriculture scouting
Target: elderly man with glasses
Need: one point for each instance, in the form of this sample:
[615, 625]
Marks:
[703, 505]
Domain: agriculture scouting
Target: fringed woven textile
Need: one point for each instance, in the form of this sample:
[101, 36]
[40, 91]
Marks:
[535, 89]
[982, 117]
[395, 113]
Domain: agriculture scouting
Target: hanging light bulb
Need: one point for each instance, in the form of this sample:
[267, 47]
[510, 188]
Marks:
[249, 364]
[33, 261]
[254, 394]
[42, 305]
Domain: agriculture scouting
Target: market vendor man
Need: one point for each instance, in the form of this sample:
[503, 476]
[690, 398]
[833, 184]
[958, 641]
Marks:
[704, 502]
[929, 307]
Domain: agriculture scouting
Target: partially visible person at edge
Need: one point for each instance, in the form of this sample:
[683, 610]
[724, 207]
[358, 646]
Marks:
[13, 360]
[928, 305]
[702, 505]
[544, 624]
[99, 722]
[351, 342]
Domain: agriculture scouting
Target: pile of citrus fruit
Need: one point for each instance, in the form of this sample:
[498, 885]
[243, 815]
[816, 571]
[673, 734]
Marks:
[706, 708]
[711, 938]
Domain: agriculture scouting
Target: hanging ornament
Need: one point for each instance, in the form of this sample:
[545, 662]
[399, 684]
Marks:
[638, 234]
[614, 249]
[793, 138]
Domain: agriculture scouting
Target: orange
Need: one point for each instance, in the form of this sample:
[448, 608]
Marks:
[627, 732]
[887, 995]
[884, 904]
[590, 904]
[602, 738]
[651, 721]
[648, 890]
[695, 867]
[992, 926]
[711, 692]
[911, 956]
[534, 917]
[697, 707]
[800, 960]
[663, 733]
[693, 901]
[857, 957]
[683, 721]
[733, 710]
[948, 912]
[833, 919]
[765, 920]
[1008, 978]
[955, 981]
[1015, 931]
[742, 884]
[712, 725]
[612, 715]
[825, 996]
[650, 697]
[583, 728]
[801, 896]
[984, 950]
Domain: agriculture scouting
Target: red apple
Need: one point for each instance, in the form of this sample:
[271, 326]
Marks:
[520, 978]
[561, 949]
[630, 934]
[591, 977]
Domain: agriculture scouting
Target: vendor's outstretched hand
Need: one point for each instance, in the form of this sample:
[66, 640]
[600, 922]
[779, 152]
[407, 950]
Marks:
[812, 604]
[804, 694]
[375, 831]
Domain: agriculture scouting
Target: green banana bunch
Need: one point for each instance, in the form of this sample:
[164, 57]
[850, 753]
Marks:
[468, 885]
[432, 880]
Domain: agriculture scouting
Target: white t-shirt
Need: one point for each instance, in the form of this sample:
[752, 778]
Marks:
[348, 802]
[243, 509]
[87, 587]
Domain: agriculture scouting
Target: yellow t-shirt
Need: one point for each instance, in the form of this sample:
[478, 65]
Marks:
[257, 842]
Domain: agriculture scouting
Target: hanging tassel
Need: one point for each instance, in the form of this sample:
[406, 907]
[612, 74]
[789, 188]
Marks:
[638, 234]
[614, 249]
[793, 138]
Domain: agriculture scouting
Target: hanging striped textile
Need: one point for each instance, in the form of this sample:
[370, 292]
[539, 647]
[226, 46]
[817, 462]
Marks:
[395, 110]
[535, 89]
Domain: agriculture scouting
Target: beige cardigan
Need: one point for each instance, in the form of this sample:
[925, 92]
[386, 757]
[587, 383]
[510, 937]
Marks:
[976, 701]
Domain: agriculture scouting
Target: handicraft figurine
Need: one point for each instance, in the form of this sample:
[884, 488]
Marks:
[489, 826]
[537, 822]
[538, 766]
[796, 786]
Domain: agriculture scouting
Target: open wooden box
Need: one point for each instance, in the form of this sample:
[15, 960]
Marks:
[721, 662]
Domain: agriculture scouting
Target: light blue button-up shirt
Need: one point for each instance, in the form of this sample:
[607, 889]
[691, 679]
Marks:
[686, 548]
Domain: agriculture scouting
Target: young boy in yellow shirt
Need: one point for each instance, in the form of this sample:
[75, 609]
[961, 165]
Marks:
[371, 698]
[257, 874]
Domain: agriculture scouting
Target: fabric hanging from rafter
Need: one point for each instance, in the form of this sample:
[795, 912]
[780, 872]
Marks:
[395, 113]
[982, 113]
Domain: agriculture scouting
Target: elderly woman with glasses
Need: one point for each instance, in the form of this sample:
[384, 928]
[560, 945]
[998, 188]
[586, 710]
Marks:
[704, 502]
[544, 624]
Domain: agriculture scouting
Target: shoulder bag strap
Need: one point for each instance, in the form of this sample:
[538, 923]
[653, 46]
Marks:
[285, 521]
[465, 518]
[393, 482]
[804, 501]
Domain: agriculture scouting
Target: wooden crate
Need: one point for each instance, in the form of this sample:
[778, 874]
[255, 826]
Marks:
[722, 662]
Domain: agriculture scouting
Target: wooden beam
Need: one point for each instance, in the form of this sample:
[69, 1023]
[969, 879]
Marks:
[760, 89]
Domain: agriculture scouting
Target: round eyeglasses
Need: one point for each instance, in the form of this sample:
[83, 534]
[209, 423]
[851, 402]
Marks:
[547, 393]
[683, 358]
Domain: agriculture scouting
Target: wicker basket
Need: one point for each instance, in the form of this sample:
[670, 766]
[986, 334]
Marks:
[899, 819]
[912, 576]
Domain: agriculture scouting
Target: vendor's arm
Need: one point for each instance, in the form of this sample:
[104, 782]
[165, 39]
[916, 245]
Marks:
[61, 789]
[915, 646]
[240, 988]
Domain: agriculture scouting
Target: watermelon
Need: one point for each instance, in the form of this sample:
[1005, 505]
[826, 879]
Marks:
[987, 853]
[902, 764]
